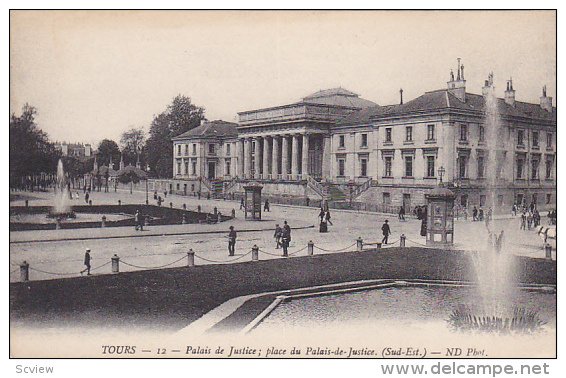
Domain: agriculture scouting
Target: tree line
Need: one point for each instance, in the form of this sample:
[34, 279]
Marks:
[34, 156]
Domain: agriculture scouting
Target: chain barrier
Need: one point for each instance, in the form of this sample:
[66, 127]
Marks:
[53, 273]
[100, 266]
[335, 250]
[14, 271]
[152, 267]
[417, 243]
[222, 261]
[300, 250]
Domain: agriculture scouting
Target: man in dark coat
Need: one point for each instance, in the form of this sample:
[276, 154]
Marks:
[266, 206]
[386, 231]
[286, 238]
[232, 241]
[87, 262]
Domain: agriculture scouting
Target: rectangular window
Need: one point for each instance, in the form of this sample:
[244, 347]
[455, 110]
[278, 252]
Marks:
[480, 167]
[548, 198]
[186, 149]
[341, 167]
[534, 199]
[463, 133]
[179, 149]
[534, 169]
[535, 139]
[520, 138]
[482, 133]
[430, 166]
[228, 149]
[430, 132]
[408, 166]
[178, 186]
[364, 140]
[363, 167]
[211, 147]
[194, 149]
[386, 198]
[186, 167]
[409, 134]
[548, 169]
[178, 167]
[548, 140]
[500, 200]
[228, 168]
[341, 141]
[388, 164]
[194, 168]
[388, 134]
[520, 163]
[462, 167]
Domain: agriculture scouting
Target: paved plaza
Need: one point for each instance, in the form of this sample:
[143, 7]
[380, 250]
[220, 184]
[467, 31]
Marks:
[59, 253]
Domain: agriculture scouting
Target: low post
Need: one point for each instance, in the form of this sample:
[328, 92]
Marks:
[215, 211]
[57, 224]
[119, 202]
[171, 204]
[184, 206]
[548, 251]
[27, 203]
[310, 248]
[90, 202]
[115, 264]
[198, 208]
[24, 271]
[191, 258]
[402, 241]
[360, 244]
[233, 213]
[255, 253]
[103, 223]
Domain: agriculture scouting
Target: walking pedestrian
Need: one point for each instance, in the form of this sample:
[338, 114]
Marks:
[402, 213]
[266, 206]
[523, 221]
[86, 197]
[386, 232]
[480, 214]
[232, 241]
[165, 193]
[286, 237]
[139, 222]
[155, 195]
[323, 224]
[529, 220]
[86, 263]
[328, 217]
[475, 214]
[277, 236]
[242, 206]
[514, 210]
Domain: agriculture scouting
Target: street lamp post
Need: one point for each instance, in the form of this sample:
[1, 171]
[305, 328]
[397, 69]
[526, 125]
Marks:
[441, 172]
[146, 186]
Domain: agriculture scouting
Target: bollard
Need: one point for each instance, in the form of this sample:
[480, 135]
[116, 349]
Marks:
[191, 258]
[360, 244]
[115, 264]
[119, 202]
[310, 248]
[171, 204]
[90, 202]
[548, 251]
[255, 253]
[184, 206]
[27, 203]
[215, 211]
[146, 220]
[233, 213]
[402, 241]
[378, 245]
[103, 223]
[24, 271]
[184, 221]
[198, 208]
[57, 224]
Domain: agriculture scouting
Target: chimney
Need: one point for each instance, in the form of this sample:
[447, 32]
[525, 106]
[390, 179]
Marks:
[510, 93]
[401, 93]
[458, 86]
[545, 102]
[488, 85]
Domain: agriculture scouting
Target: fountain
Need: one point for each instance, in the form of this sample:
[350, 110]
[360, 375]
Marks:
[61, 207]
[493, 265]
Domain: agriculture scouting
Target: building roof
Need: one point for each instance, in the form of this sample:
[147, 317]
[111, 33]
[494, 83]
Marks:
[443, 99]
[338, 97]
[212, 129]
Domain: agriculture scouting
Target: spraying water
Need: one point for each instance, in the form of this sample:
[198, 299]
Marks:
[61, 204]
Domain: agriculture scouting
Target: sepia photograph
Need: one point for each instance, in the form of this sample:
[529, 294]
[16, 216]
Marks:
[198, 184]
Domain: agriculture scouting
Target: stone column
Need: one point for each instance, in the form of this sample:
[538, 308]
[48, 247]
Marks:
[326, 155]
[284, 156]
[305, 160]
[275, 158]
[295, 157]
[247, 159]
[265, 159]
[239, 169]
[257, 158]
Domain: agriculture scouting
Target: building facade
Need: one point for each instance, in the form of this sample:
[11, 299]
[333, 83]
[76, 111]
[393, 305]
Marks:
[337, 146]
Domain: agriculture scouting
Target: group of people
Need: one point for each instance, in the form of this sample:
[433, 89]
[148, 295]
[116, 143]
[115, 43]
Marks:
[324, 217]
[282, 237]
[530, 219]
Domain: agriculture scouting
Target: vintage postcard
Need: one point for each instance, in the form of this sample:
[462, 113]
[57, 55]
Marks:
[283, 184]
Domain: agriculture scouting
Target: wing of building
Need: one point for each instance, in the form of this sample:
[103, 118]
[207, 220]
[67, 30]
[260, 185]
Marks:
[335, 145]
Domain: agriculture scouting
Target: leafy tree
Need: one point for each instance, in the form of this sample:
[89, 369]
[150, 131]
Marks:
[180, 116]
[133, 143]
[31, 152]
[108, 148]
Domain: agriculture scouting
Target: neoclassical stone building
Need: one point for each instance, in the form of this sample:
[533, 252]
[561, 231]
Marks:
[337, 146]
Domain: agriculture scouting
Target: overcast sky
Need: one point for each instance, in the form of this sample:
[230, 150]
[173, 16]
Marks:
[93, 75]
